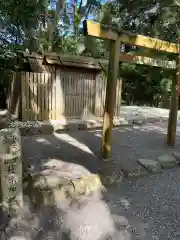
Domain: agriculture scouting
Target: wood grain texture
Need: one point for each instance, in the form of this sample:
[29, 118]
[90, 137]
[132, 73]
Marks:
[97, 30]
[173, 111]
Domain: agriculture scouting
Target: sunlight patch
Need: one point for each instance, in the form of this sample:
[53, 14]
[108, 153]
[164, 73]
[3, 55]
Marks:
[43, 140]
[74, 142]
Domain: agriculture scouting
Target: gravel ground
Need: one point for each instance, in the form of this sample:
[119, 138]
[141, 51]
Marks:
[83, 147]
[131, 143]
[145, 112]
[150, 204]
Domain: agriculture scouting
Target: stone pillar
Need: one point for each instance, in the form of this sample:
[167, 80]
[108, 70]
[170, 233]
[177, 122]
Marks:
[11, 170]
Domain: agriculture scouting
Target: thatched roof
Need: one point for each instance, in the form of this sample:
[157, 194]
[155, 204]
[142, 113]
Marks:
[48, 62]
[35, 62]
[72, 61]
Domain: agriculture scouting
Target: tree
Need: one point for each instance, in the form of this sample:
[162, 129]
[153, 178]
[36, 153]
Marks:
[31, 25]
[151, 18]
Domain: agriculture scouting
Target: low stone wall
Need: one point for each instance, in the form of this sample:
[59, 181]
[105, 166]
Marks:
[46, 127]
[86, 123]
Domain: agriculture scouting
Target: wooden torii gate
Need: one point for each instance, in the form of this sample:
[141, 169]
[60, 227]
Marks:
[99, 31]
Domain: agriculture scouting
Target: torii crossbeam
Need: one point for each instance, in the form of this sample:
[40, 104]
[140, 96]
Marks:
[117, 37]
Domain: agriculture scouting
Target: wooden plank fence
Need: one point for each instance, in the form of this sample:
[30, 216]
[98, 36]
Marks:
[50, 96]
[101, 93]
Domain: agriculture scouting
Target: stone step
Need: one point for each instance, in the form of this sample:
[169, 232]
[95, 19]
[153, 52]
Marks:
[150, 165]
[167, 161]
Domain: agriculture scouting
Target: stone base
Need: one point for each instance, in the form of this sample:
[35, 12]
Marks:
[167, 161]
[177, 156]
[30, 128]
[110, 174]
[139, 121]
[150, 165]
[131, 168]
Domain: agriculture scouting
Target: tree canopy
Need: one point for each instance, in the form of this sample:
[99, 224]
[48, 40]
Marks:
[33, 25]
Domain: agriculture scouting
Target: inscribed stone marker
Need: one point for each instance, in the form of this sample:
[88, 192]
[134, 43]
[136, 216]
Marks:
[11, 169]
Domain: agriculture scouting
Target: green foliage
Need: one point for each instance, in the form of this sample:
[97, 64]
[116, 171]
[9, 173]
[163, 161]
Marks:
[141, 84]
[28, 24]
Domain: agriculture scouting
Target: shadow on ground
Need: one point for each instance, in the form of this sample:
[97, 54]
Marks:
[83, 147]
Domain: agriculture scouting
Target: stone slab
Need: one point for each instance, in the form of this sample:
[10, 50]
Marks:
[150, 165]
[36, 130]
[60, 127]
[72, 126]
[156, 119]
[131, 168]
[177, 156]
[31, 128]
[89, 125]
[123, 122]
[139, 121]
[167, 161]
[82, 126]
[110, 173]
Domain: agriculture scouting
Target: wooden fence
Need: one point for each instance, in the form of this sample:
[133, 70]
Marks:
[49, 96]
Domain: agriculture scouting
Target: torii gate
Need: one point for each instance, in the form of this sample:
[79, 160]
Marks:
[99, 31]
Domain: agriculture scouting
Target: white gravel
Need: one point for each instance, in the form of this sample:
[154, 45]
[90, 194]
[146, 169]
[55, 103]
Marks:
[150, 204]
[130, 112]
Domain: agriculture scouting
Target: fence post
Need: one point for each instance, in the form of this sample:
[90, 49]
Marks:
[11, 191]
[97, 106]
[14, 94]
[59, 99]
[118, 97]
